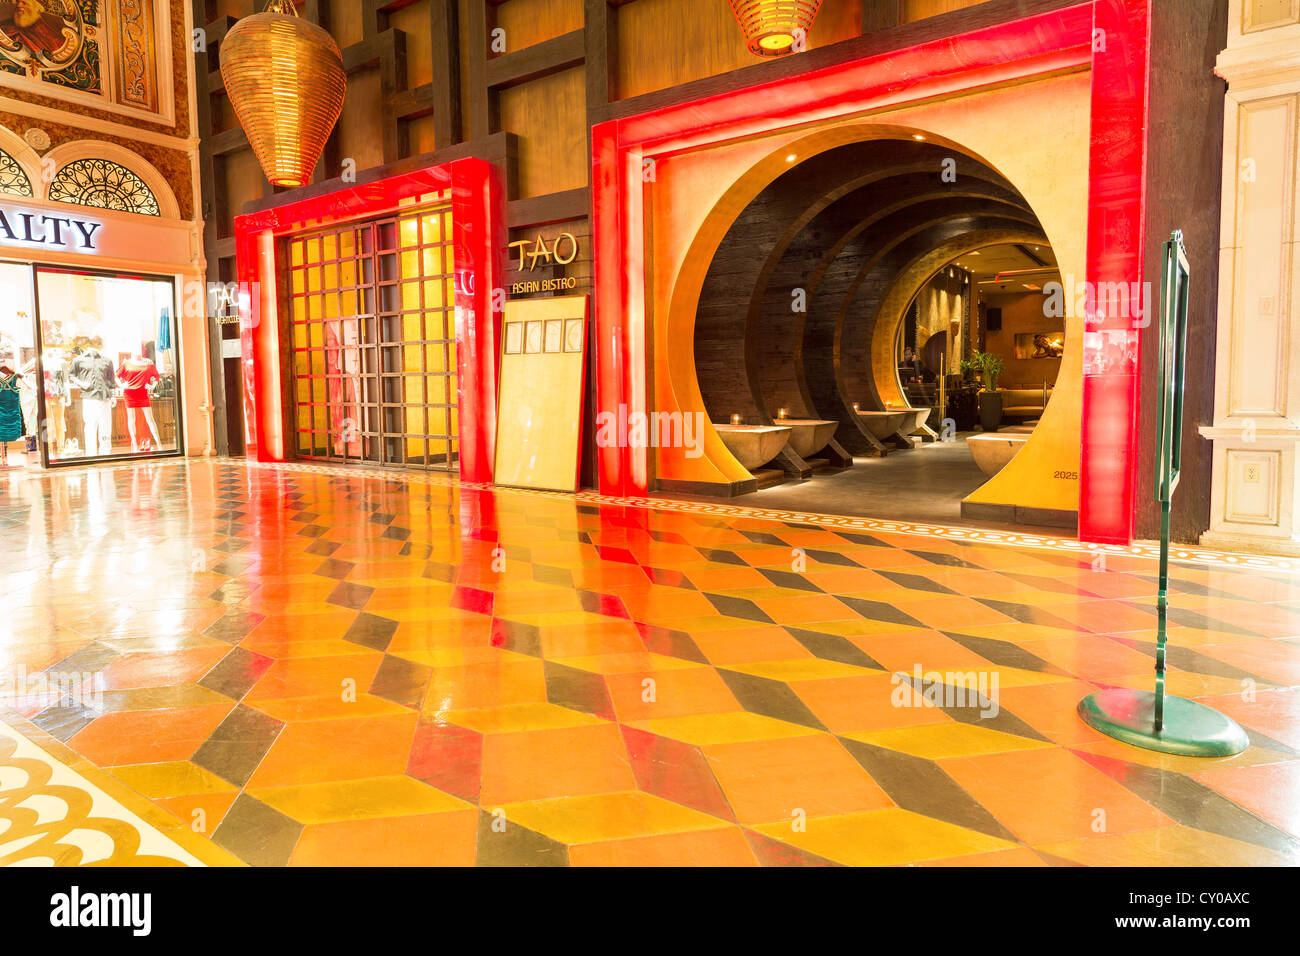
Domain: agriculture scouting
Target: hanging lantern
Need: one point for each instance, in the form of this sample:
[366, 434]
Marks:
[286, 81]
[774, 27]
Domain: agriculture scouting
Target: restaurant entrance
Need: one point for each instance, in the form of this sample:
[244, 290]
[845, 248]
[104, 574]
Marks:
[372, 322]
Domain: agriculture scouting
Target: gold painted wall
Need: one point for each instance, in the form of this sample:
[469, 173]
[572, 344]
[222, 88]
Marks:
[531, 21]
[663, 43]
[920, 9]
[550, 117]
[360, 136]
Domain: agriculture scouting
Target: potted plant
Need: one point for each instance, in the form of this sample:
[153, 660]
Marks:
[967, 371]
[990, 398]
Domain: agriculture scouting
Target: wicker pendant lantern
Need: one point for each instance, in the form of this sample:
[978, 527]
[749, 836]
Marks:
[773, 27]
[286, 81]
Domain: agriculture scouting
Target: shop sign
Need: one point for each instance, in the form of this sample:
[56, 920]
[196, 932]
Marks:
[561, 251]
[43, 229]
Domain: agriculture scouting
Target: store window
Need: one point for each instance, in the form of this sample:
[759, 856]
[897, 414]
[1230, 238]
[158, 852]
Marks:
[18, 418]
[109, 365]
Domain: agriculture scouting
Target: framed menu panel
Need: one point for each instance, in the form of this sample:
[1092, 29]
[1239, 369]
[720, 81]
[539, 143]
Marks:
[539, 409]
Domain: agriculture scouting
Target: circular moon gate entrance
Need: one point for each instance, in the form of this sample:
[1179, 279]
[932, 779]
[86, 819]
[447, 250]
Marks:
[802, 302]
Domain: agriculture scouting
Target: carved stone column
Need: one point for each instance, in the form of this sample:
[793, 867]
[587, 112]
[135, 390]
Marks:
[1255, 502]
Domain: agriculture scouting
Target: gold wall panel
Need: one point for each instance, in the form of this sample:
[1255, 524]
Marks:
[921, 9]
[663, 43]
[527, 22]
[550, 117]
[543, 372]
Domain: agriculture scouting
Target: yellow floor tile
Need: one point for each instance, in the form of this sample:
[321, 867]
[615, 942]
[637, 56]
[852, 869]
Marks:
[954, 739]
[358, 799]
[606, 816]
[883, 838]
[705, 729]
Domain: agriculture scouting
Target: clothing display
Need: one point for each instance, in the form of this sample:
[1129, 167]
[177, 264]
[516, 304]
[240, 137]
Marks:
[136, 380]
[27, 397]
[164, 330]
[94, 373]
[97, 422]
[11, 411]
[56, 399]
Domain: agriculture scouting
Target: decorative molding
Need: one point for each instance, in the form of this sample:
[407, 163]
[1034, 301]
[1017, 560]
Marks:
[24, 155]
[92, 125]
[68, 153]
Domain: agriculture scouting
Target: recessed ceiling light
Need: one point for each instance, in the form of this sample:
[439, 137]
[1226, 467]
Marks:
[791, 158]
[918, 137]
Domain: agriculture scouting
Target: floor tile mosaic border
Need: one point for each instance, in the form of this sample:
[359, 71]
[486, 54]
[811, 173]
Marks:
[59, 808]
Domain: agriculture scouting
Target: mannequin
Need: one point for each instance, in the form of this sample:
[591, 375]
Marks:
[27, 396]
[11, 411]
[93, 372]
[136, 375]
[55, 362]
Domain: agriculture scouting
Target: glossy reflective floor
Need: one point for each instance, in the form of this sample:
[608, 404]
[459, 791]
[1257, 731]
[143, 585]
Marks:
[310, 666]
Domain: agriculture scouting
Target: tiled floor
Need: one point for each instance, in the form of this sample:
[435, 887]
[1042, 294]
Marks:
[310, 666]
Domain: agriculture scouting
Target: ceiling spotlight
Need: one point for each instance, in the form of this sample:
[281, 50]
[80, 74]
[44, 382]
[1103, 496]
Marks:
[918, 137]
[791, 158]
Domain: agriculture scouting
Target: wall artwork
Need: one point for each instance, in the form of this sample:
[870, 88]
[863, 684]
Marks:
[1040, 345]
[104, 52]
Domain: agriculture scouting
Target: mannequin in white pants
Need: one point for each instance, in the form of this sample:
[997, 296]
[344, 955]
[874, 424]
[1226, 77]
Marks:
[94, 373]
[97, 417]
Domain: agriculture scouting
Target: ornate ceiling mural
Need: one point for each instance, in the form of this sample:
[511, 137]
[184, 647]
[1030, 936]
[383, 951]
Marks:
[105, 52]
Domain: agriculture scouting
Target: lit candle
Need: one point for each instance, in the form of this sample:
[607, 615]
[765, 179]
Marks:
[780, 412]
[735, 419]
[856, 407]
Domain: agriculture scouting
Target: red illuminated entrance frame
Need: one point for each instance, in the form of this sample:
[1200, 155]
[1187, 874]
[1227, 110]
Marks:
[1110, 36]
[478, 234]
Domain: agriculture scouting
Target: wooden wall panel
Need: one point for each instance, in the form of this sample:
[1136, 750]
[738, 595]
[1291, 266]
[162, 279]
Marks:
[531, 21]
[1184, 192]
[240, 177]
[414, 22]
[360, 137]
[420, 136]
[921, 9]
[347, 23]
[662, 43]
[550, 117]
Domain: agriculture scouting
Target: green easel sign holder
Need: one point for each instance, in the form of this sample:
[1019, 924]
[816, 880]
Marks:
[1155, 720]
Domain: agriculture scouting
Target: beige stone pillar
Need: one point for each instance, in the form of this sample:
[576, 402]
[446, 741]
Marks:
[1255, 502]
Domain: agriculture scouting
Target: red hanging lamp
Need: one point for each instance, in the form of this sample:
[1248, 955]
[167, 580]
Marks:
[774, 27]
[286, 81]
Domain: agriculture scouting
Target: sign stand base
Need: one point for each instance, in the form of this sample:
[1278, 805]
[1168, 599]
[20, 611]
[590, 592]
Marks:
[1188, 729]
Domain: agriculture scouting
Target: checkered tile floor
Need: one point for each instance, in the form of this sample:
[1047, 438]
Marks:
[312, 666]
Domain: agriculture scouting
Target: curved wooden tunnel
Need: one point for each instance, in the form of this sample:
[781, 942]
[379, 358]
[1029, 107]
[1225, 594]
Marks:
[850, 235]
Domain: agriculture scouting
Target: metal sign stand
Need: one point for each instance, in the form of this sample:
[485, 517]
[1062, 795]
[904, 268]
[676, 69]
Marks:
[1153, 720]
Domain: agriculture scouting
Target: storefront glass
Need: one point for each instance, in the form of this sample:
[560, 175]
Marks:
[109, 364]
[18, 419]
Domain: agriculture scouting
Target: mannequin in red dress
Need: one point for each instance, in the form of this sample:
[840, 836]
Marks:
[136, 375]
